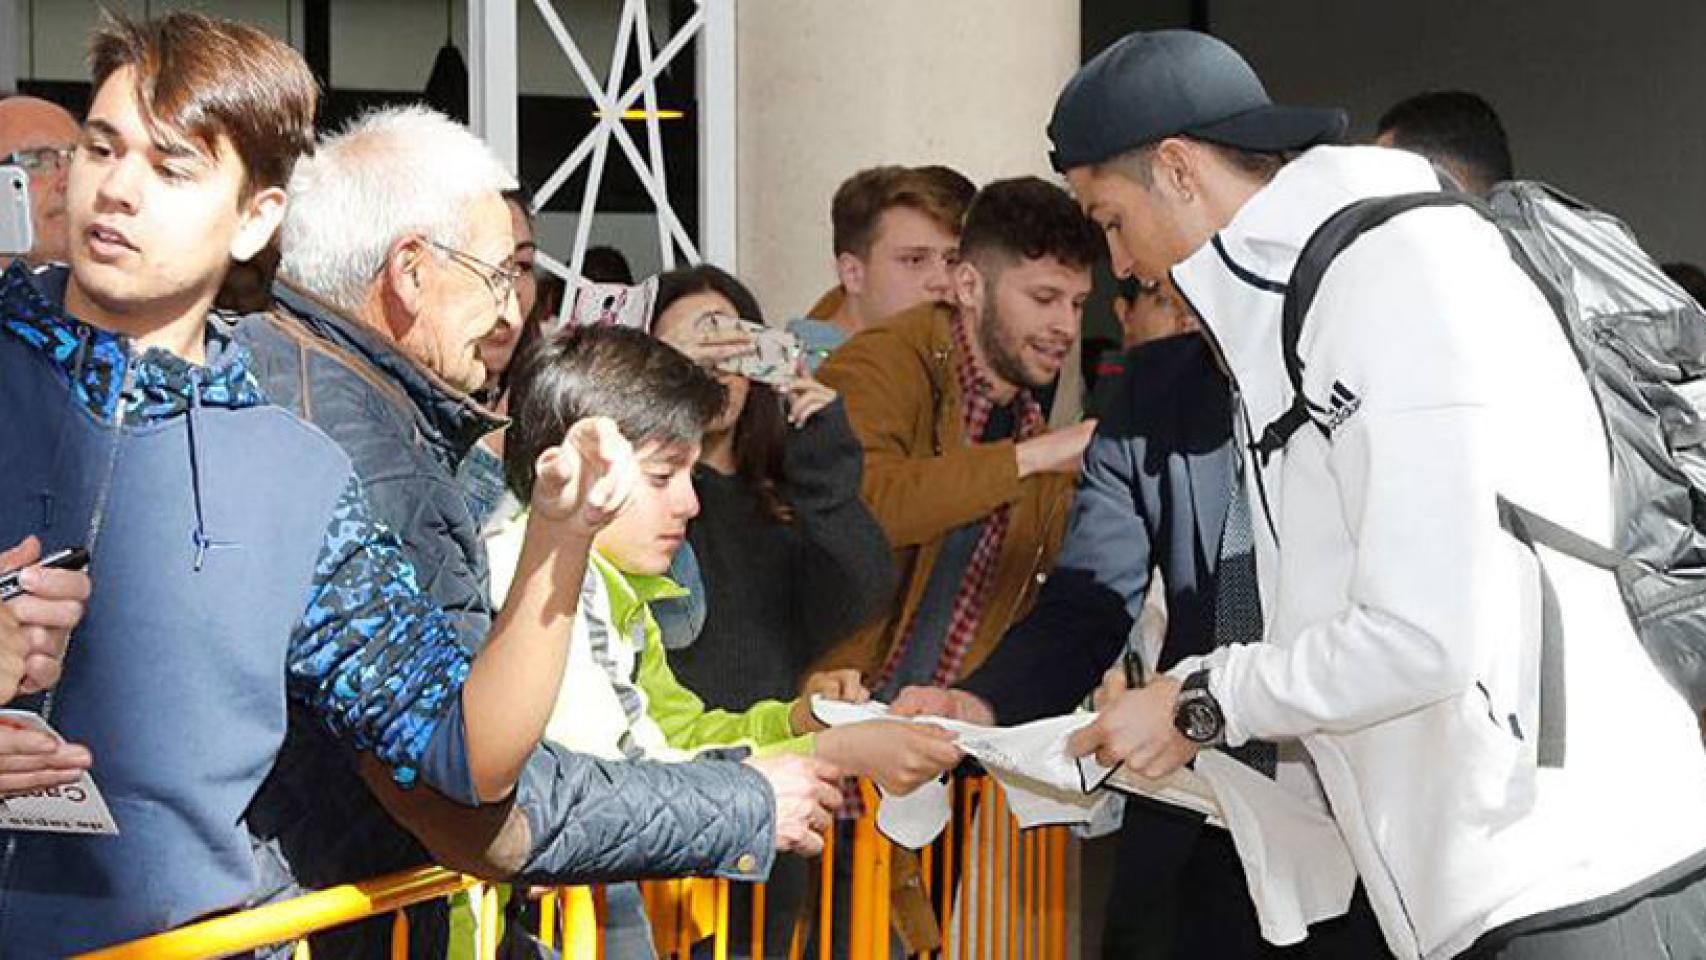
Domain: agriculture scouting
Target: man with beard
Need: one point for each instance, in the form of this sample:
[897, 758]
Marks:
[971, 491]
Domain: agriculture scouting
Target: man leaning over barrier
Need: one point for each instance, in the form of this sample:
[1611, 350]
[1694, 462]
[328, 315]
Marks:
[1403, 627]
[397, 260]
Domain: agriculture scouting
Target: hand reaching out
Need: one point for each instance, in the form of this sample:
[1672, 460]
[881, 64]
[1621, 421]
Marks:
[845, 685]
[1057, 451]
[587, 479]
[807, 796]
[899, 756]
[943, 702]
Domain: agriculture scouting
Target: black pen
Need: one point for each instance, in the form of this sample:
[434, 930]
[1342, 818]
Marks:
[1133, 668]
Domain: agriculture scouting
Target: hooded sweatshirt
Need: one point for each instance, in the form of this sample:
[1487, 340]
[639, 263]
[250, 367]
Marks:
[1402, 623]
[234, 565]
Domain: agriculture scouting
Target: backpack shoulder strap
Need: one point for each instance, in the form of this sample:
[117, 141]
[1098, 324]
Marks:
[1330, 239]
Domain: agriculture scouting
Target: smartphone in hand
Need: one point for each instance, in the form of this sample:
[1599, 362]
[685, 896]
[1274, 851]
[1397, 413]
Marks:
[17, 230]
[775, 353]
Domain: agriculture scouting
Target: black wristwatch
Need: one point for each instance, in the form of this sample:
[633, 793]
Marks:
[1197, 714]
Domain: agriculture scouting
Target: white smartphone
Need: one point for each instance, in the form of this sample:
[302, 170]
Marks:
[17, 233]
[611, 304]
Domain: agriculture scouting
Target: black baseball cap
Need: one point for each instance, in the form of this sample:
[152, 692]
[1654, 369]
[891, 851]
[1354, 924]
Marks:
[1163, 83]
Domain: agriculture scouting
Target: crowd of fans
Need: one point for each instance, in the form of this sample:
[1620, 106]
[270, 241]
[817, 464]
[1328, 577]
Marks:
[391, 564]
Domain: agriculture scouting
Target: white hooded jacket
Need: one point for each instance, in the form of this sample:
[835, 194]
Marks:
[1402, 623]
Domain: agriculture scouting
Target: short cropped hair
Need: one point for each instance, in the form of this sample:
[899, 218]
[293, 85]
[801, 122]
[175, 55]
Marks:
[1028, 218]
[390, 174]
[1453, 127]
[650, 389]
[863, 198]
[1138, 163]
[198, 79]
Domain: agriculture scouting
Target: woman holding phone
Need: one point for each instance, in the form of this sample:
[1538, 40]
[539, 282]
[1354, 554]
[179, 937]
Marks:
[790, 559]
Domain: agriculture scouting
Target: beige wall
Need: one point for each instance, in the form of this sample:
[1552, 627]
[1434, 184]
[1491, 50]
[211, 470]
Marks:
[827, 88]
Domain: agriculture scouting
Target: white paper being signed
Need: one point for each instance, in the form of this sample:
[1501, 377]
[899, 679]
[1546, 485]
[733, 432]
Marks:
[1044, 783]
[1295, 862]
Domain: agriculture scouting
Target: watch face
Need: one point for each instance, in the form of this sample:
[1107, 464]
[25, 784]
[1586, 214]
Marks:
[1199, 721]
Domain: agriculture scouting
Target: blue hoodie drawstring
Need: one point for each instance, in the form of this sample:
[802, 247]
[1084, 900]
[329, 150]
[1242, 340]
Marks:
[200, 537]
[82, 353]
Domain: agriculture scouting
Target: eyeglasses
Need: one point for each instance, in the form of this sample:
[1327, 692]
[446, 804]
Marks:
[500, 280]
[39, 159]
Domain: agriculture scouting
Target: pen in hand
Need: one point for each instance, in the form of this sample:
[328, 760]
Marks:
[1133, 668]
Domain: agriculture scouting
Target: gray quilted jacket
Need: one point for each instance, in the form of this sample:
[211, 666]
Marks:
[592, 821]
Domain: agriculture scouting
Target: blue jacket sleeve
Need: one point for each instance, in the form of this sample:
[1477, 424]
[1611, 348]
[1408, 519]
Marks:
[1055, 657]
[373, 659]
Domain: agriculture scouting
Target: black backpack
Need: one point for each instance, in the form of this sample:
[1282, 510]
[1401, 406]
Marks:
[1641, 342]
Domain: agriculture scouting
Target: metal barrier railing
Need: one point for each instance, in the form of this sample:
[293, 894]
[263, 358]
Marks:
[996, 893]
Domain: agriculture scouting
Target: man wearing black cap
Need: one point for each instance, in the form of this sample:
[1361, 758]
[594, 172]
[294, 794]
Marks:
[1393, 628]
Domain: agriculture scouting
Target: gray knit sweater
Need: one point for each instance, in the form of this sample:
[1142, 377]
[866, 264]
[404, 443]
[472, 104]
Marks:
[780, 594]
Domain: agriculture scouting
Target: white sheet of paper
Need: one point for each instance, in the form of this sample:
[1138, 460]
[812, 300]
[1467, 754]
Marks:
[1182, 788]
[1295, 861]
[74, 808]
[1030, 762]
[914, 819]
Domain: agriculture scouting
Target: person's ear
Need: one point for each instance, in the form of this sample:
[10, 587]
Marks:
[968, 284]
[850, 270]
[403, 280]
[1174, 168]
[259, 219]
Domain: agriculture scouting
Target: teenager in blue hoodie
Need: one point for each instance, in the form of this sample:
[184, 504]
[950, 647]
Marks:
[234, 560]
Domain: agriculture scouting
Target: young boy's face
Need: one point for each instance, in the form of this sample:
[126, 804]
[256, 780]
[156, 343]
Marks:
[644, 537]
[154, 224]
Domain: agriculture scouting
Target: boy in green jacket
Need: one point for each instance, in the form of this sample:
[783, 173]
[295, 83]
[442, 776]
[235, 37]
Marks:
[619, 697]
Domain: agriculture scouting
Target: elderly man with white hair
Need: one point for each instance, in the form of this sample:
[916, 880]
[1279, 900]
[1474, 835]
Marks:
[397, 260]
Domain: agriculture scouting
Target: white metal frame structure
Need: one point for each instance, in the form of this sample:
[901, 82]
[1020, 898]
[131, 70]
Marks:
[493, 98]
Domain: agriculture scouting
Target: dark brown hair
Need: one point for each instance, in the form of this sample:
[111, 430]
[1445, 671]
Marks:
[199, 79]
[1028, 218]
[761, 433]
[652, 392]
[937, 192]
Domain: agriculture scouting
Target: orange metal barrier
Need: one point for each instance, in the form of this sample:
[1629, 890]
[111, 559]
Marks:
[994, 891]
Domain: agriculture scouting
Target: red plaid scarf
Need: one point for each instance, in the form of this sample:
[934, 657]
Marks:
[976, 403]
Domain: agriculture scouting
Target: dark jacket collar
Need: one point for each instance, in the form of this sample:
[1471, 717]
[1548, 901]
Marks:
[450, 418]
[93, 361]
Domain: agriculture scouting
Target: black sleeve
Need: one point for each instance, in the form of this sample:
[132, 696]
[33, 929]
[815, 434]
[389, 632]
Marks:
[846, 576]
[602, 821]
[1055, 657]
